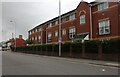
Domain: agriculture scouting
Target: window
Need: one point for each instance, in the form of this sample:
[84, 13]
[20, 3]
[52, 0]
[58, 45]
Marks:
[49, 37]
[33, 31]
[56, 22]
[30, 33]
[82, 19]
[56, 33]
[102, 6]
[64, 32]
[72, 17]
[36, 38]
[36, 30]
[104, 27]
[32, 38]
[40, 29]
[39, 38]
[71, 32]
[63, 20]
[49, 25]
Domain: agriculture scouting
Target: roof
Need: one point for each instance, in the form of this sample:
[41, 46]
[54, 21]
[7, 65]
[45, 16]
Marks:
[56, 18]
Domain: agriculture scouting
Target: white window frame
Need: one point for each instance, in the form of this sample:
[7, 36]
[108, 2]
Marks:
[33, 31]
[56, 33]
[36, 38]
[49, 37]
[72, 31]
[39, 38]
[103, 6]
[36, 30]
[40, 29]
[64, 32]
[64, 19]
[104, 27]
[32, 38]
[30, 33]
[82, 19]
[56, 22]
[72, 17]
[50, 25]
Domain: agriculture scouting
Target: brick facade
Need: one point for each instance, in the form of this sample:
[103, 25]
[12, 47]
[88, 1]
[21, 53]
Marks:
[86, 18]
[19, 41]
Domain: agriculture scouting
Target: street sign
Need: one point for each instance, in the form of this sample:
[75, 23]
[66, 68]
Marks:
[60, 40]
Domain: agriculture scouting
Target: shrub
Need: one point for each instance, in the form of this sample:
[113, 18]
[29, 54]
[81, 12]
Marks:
[43, 47]
[111, 46]
[66, 47]
[49, 47]
[56, 47]
[76, 47]
[91, 46]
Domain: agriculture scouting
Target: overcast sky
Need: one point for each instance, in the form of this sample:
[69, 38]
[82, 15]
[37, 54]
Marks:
[26, 15]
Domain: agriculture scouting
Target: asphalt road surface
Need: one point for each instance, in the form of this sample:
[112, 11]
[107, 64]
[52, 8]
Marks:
[28, 64]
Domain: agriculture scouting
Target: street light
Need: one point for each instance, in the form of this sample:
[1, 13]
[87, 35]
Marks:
[60, 39]
[15, 32]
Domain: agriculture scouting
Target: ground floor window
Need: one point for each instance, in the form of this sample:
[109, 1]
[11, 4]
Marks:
[49, 37]
[71, 32]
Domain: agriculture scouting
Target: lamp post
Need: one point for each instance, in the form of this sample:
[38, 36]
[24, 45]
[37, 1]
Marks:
[60, 39]
[15, 32]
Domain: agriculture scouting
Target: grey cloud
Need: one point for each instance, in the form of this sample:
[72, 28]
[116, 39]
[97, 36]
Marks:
[27, 15]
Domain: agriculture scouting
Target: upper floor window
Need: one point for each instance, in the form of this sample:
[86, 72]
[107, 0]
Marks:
[40, 29]
[49, 25]
[103, 6]
[82, 19]
[56, 22]
[33, 31]
[104, 27]
[64, 32]
[30, 33]
[56, 33]
[64, 20]
[36, 30]
[72, 17]
[71, 32]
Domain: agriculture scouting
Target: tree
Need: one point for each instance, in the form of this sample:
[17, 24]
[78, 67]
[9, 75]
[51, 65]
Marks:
[29, 41]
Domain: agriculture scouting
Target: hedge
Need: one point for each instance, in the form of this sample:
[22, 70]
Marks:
[76, 47]
[91, 46]
[111, 46]
[108, 46]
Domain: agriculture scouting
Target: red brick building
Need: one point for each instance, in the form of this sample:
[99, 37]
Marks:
[89, 21]
[19, 41]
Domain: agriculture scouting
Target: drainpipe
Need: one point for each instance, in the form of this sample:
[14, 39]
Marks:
[118, 17]
[41, 36]
[91, 31]
[46, 35]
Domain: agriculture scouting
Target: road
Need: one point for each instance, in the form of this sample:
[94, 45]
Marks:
[28, 64]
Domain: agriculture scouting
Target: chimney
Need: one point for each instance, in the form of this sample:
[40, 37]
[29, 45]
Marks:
[20, 36]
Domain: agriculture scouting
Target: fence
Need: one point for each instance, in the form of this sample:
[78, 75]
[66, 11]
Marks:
[95, 49]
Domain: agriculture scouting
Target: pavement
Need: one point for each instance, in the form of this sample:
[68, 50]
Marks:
[88, 61]
[14, 63]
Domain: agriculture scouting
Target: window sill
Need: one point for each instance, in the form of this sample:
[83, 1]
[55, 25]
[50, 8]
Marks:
[104, 34]
[82, 24]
